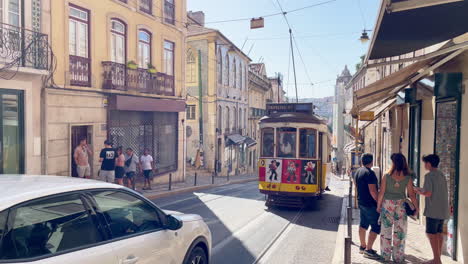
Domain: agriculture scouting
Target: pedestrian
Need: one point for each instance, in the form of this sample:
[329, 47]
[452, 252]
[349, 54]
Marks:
[367, 192]
[131, 165]
[146, 163]
[119, 166]
[107, 159]
[437, 205]
[81, 156]
[395, 186]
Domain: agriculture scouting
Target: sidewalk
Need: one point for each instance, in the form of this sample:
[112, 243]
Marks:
[204, 181]
[418, 249]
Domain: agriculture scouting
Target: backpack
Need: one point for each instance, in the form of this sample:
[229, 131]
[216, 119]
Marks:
[129, 161]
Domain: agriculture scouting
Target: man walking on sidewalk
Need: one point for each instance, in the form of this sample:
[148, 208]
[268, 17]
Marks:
[437, 209]
[107, 157]
[367, 191]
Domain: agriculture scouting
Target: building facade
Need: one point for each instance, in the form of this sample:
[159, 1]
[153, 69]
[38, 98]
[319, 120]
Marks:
[277, 95]
[259, 92]
[219, 124]
[119, 76]
[24, 63]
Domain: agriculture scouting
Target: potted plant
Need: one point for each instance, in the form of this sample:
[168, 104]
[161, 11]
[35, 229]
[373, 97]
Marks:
[132, 65]
[151, 68]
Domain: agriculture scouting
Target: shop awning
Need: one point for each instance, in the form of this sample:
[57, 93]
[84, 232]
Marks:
[378, 110]
[351, 146]
[405, 26]
[146, 104]
[235, 139]
[250, 142]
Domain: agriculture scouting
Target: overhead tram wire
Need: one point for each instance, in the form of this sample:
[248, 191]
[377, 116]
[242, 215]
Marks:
[303, 62]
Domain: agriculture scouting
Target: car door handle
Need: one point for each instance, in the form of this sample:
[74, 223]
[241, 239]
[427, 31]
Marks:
[130, 260]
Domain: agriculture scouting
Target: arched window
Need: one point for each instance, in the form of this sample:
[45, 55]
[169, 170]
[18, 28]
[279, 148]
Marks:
[234, 73]
[191, 67]
[220, 119]
[228, 119]
[220, 67]
[241, 80]
[144, 49]
[118, 41]
[226, 70]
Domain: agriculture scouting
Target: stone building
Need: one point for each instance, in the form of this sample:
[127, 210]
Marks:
[119, 76]
[259, 94]
[216, 124]
[24, 63]
[277, 95]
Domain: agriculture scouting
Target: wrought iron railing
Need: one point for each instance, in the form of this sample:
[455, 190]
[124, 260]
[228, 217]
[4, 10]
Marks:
[80, 71]
[118, 77]
[24, 48]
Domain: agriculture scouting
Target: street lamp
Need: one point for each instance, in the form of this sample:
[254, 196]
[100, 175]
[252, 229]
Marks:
[364, 37]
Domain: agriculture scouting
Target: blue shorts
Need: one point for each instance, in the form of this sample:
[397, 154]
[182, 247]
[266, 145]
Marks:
[434, 226]
[369, 217]
[130, 174]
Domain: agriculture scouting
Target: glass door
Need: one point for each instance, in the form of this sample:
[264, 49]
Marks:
[11, 132]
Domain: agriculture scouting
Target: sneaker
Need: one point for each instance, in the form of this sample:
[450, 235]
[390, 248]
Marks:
[361, 250]
[371, 254]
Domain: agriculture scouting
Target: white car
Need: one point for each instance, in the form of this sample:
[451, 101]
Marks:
[64, 220]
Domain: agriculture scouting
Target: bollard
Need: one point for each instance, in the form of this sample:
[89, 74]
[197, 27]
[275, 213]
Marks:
[347, 250]
[195, 181]
[170, 181]
[350, 222]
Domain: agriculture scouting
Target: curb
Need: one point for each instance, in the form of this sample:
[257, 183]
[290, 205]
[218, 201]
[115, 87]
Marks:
[338, 256]
[195, 188]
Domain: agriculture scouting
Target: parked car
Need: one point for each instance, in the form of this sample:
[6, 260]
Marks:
[57, 220]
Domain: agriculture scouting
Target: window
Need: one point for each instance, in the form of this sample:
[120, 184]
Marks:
[191, 112]
[126, 214]
[118, 36]
[234, 113]
[144, 49]
[220, 118]
[235, 73]
[14, 13]
[268, 142]
[240, 119]
[241, 80]
[228, 119]
[49, 226]
[169, 57]
[78, 32]
[226, 70]
[146, 6]
[220, 67]
[308, 139]
[191, 67]
[169, 11]
[286, 141]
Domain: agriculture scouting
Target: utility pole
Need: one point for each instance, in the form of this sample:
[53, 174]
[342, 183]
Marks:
[294, 64]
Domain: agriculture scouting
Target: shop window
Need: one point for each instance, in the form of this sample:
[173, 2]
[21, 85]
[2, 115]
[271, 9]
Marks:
[191, 112]
[268, 142]
[308, 139]
[286, 141]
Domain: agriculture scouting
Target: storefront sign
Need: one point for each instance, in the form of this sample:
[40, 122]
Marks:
[257, 23]
[366, 116]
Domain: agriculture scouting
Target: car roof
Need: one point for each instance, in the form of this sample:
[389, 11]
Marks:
[16, 189]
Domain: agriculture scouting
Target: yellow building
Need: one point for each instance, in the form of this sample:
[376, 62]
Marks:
[119, 75]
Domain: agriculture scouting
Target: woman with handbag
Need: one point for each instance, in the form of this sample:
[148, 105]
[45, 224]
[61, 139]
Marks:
[394, 209]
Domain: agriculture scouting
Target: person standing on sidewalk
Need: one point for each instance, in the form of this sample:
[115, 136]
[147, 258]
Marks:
[146, 163]
[119, 166]
[131, 165]
[107, 157]
[367, 191]
[391, 204]
[81, 156]
[437, 205]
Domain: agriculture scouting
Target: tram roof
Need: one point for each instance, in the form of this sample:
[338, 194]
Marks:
[292, 118]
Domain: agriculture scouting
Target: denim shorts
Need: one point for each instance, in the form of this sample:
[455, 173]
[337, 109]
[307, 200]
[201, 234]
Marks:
[369, 217]
[434, 226]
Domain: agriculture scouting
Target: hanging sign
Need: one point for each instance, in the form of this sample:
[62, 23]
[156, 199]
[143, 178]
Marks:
[257, 23]
[366, 116]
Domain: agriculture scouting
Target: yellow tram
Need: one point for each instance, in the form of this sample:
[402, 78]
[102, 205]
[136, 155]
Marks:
[294, 154]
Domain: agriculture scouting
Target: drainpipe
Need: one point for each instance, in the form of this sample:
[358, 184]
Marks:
[44, 145]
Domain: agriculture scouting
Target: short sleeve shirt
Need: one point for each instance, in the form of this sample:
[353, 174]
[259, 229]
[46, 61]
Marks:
[365, 176]
[133, 164]
[146, 162]
[108, 155]
[437, 205]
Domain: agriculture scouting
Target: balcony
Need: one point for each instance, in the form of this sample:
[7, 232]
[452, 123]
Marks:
[20, 47]
[117, 76]
[80, 71]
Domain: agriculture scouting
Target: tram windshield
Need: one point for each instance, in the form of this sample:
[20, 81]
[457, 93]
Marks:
[268, 138]
[286, 137]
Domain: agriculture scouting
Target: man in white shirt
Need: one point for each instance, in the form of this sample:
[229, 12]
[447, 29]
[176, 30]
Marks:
[146, 163]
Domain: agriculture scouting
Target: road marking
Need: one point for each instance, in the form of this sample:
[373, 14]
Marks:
[278, 236]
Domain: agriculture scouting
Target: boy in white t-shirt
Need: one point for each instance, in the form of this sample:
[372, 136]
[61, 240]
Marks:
[146, 164]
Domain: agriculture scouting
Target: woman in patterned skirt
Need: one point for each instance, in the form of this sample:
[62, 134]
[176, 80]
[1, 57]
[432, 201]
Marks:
[395, 187]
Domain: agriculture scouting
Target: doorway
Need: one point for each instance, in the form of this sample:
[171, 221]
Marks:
[78, 133]
[11, 132]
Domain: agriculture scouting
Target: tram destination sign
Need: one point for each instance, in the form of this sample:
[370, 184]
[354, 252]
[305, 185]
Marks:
[307, 108]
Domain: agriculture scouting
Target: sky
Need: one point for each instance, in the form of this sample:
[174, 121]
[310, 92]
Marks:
[326, 36]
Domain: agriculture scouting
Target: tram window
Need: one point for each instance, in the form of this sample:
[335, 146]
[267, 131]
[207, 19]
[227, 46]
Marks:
[307, 147]
[286, 138]
[268, 142]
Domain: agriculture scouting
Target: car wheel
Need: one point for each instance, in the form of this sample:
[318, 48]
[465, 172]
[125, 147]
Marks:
[197, 256]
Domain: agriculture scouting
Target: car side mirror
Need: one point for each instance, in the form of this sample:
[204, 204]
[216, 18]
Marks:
[172, 223]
